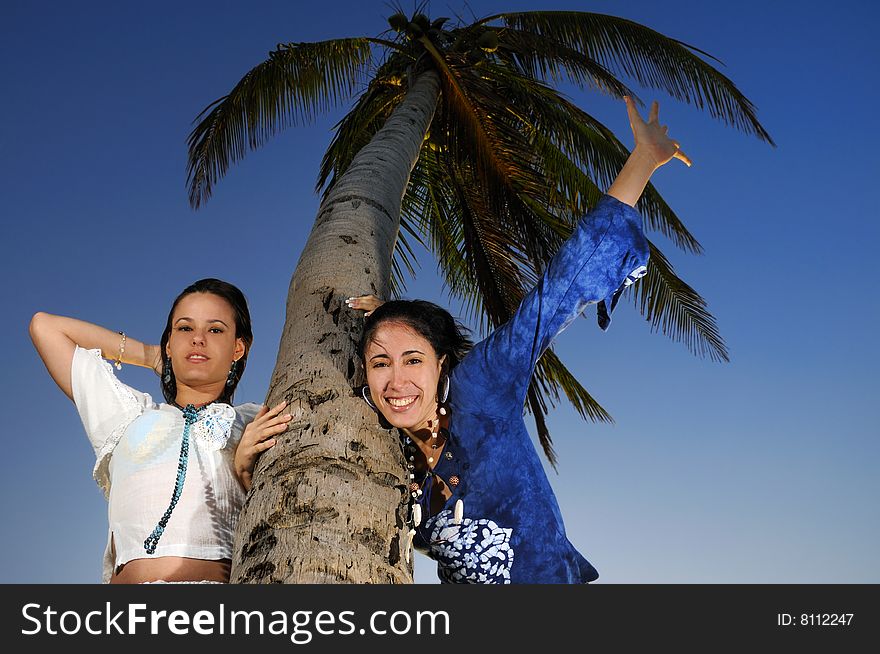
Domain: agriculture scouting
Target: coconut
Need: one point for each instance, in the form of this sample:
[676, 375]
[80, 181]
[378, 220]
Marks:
[398, 22]
[488, 41]
[422, 21]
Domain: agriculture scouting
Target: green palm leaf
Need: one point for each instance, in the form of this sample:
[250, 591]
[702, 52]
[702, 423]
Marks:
[570, 140]
[654, 60]
[538, 58]
[550, 377]
[385, 91]
[674, 308]
[292, 86]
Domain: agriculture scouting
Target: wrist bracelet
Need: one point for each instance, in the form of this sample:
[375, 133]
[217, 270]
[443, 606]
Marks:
[118, 362]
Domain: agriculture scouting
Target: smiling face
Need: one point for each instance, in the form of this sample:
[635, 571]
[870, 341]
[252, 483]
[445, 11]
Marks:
[403, 371]
[202, 344]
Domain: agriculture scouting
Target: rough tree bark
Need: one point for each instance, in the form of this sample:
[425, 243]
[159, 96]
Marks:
[329, 501]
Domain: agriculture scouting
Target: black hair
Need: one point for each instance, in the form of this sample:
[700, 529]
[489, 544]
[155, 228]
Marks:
[243, 331]
[433, 323]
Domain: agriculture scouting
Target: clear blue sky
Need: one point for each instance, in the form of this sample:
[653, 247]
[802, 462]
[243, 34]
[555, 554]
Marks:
[761, 470]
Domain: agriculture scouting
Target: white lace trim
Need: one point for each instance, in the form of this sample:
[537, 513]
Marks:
[101, 471]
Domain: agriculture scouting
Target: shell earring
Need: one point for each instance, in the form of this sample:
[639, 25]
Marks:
[443, 395]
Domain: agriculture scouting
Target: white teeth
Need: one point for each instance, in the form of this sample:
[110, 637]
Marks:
[393, 401]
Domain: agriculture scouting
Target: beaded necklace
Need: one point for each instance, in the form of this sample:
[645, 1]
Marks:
[190, 416]
[421, 491]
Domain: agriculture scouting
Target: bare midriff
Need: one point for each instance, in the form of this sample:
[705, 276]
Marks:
[171, 568]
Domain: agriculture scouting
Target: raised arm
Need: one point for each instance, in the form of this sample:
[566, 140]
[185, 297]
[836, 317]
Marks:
[605, 252]
[56, 338]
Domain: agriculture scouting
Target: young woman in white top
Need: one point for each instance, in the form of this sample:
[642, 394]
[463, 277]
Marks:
[175, 473]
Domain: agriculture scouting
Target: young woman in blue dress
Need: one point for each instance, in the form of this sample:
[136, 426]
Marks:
[482, 506]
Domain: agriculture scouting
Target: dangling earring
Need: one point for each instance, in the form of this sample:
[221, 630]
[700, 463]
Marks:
[230, 378]
[166, 372]
[365, 393]
[443, 395]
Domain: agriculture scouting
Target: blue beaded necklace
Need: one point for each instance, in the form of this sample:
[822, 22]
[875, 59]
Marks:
[190, 416]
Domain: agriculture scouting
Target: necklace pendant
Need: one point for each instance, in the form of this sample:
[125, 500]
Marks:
[458, 512]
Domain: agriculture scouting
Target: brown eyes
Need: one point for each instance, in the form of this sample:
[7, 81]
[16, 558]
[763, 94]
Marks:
[384, 364]
[187, 328]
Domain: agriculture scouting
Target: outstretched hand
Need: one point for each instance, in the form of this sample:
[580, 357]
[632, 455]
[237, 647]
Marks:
[652, 140]
[367, 303]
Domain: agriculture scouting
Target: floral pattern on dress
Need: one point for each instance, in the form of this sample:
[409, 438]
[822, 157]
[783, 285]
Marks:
[472, 552]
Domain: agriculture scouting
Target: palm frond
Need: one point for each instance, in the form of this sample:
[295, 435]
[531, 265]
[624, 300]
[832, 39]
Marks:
[434, 207]
[677, 310]
[495, 155]
[298, 81]
[403, 261]
[539, 58]
[384, 93]
[552, 373]
[652, 59]
[568, 136]
[549, 378]
[538, 408]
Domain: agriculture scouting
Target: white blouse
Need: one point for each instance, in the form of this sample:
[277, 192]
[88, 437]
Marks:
[137, 444]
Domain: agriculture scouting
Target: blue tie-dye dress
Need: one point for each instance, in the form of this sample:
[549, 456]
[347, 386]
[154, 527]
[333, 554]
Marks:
[511, 530]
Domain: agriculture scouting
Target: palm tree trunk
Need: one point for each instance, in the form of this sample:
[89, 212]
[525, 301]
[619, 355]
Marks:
[329, 501]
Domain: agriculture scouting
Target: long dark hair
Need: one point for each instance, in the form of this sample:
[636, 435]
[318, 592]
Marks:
[433, 323]
[243, 331]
